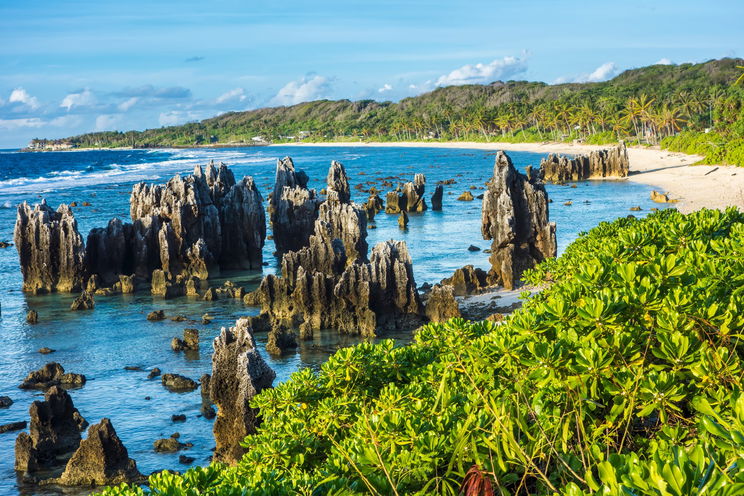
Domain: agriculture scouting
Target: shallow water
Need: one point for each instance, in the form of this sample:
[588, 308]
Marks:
[100, 343]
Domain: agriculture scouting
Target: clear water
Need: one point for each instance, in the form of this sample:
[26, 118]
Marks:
[100, 343]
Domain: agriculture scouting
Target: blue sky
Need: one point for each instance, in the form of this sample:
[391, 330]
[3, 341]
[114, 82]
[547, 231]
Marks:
[68, 67]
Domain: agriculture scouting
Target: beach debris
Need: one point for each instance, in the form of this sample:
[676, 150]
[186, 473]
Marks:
[238, 373]
[515, 217]
[612, 162]
[52, 374]
[441, 304]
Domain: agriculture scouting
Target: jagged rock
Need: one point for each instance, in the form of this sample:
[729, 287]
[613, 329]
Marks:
[280, 340]
[403, 220]
[231, 290]
[176, 383]
[168, 445]
[52, 374]
[46, 351]
[5, 401]
[211, 295]
[186, 460]
[107, 252]
[238, 373]
[473, 248]
[53, 433]
[100, 460]
[32, 317]
[394, 203]
[243, 223]
[154, 373]
[13, 426]
[50, 248]
[178, 418]
[441, 304]
[156, 315]
[190, 341]
[80, 421]
[466, 196]
[414, 193]
[338, 184]
[293, 208]
[659, 197]
[515, 217]
[345, 222]
[467, 280]
[436, 198]
[126, 284]
[83, 302]
[611, 162]
[373, 206]
[207, 411]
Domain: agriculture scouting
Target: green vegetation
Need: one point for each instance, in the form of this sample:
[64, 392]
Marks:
[623, 377]
[642, 106]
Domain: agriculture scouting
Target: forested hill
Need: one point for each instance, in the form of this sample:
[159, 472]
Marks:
[687, 107]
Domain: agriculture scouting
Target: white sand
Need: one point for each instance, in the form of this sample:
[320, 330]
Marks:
[695, 186]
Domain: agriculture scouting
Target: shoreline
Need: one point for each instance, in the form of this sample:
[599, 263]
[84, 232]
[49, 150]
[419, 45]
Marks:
[692, 186]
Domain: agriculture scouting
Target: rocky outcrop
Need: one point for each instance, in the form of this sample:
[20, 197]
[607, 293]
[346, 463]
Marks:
[515, 217]
[5, 401]
[83, 302]
[238, 374]
[338, 184]
[293, 208]
[436, 198]
[467, 280]
[190, 341]
[176, 383]
[243, 226]
[441, 304]
[52, 374]
[100, 460]
[53, 433]
[373, 206]
[50, 248]
[612, 162]
[32, 317]
[408, 197]
[466, 196]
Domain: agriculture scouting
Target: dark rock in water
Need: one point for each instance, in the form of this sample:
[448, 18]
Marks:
[53, 433]
[32, 317]
[5, 244]
[13, 426]
[176, 383]
[168, 445]
[100, 460]
[466, 196]
[156, 315]
[50, 248]
[338, 184]
[190, 341]
[186, 460]
[154, 373]
[52, 374]
[46, 351]
[403, 220]
[467, 280]
[5, 401]
[83, 302]
[293, 208]
[238, 374]
[178, 418]
[436, 198]
[280, 340]
[635, 209]
[206, 319]
[515, 217]
[441, 304]
[473, 248]
[394, 203]
[611, 162]
[204, 382]
[80, 421]
[414, 193]
[425, 288]
[208, 412]
[179, 318]
[373, 206]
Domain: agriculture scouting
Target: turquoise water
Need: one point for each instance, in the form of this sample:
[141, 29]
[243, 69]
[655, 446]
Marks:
[100, 343]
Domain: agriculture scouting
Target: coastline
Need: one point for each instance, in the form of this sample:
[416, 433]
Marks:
[693, 186]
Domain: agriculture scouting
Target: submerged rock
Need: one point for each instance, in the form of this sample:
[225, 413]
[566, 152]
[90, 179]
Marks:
[5, 401]
[466, 196]
[238, 374]
[168, 445]
[177, 383]
[156, 315]
[32, 317]
[13, 426]
[52, 374]
[190, 341]
[515, 217]
[611, 162]
[403, 220]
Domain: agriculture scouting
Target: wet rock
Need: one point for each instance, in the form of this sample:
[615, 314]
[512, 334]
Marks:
[293, 208]
[100, 460]
[473, 248]
[168, 445]
[403, 220]
[52, 374]
[53, 433]
[660, 197]
[5, 401]
[515, 218]
[126, 284]
[178, 418]
[414, 194]
[611, 162]
[176, 383]
[190, 341]
[206, 318]
[32, 317]
[154, 373]
[50, 248]
[208, 412]
[238, 373]
[82, 424]
[635, 209]
[466, 196]
[186, 460]
[156, 315]
[133, 368]
[5, 244]
[83, 302]
[436, 198]
[373, 206]
[338, 184]
[441, 304]
[467, 280]
[46, 351]
[13, 426]
[394, 203]
[280, 340]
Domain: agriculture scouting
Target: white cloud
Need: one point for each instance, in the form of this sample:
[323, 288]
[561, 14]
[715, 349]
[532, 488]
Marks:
[176, 117]
[606, 71]
[302, 90]
[107, 122]
[19, 95]
[82, 98]
[127, 104]
[234, 95]
[664, 61]
[480, 73]
[385, 87]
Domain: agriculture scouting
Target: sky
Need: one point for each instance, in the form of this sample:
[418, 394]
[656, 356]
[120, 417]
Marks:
[75, 66]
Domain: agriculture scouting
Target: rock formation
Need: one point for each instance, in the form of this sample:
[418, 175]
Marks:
[467, 280]
[32, 317]
[238, 373]
[515, 217]
[53, 433]
[441, 304]
[100, 460]
[338, 184]
[177, 383]
[190, 341]
[50, 249]
[83, 302]
[612, 162]
[436, 198]
[408, 197]
[293, 208]
[52, 374]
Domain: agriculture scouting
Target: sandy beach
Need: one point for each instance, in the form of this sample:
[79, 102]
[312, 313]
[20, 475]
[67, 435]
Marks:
[694, 186]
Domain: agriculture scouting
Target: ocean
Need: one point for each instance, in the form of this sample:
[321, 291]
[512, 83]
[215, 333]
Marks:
[100, 343]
